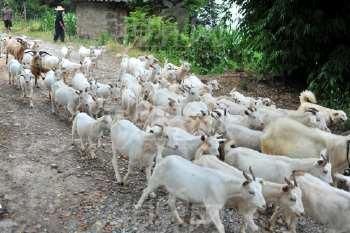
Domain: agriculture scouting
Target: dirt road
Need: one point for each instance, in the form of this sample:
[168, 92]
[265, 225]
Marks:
[47, 186]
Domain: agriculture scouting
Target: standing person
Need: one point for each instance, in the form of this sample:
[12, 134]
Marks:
[59, 24]
[7, 17]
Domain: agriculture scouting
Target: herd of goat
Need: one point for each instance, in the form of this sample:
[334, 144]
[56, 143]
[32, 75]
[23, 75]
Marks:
[228, 151]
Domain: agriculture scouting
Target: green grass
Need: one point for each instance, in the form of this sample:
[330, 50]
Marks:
[32, 29]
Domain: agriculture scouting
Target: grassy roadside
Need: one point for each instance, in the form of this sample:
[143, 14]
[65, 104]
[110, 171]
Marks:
[21, 27]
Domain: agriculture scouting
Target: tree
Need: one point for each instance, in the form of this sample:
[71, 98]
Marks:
[304, 40]
[210, 14]
[179, 11]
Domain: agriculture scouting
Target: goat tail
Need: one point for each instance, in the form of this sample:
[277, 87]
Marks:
[307, 97]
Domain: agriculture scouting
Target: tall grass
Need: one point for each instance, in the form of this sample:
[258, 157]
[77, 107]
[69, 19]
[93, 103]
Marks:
[209, 50]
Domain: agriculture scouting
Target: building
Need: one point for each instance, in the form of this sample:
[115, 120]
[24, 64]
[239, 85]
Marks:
[95, 17]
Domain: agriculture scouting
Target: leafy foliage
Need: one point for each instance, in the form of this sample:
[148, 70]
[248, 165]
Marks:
[304, 40]
[208, 49]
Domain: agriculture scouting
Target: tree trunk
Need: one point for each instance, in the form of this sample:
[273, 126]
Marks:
[25, 10]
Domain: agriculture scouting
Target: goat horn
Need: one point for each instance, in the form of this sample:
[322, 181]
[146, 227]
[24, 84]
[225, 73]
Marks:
[246, 176]
[295, 180]
[160, 126]
[43, 52]
[312, 110]
[251, 172]
[30, 51]
[323, 157]
[217, 112]
[288, 182]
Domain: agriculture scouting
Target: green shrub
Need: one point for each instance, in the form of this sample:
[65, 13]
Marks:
[70, 21]
[47, 21]
[104, 38]
[210, 50]
[34, 26]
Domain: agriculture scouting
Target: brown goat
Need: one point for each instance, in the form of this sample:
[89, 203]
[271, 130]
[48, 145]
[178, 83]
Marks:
[15, 47]
[37, 69]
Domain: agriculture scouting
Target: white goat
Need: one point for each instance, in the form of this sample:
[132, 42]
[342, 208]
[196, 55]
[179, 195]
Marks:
[84, 52]
[26, 81]
[185, 144]
[48, 61]
[195, 184]
[243, 136]
[14, 68]
[135, 144]
[291, 138]
[89, 65]
[287, 196]
[308, 100]
[92, 106]
[195, 108]
[79, 82]
[66, 97]
[66, 51]
[90, 130]
[28, 57]
[276, 168]
[50, 78]
[324, 203]
[251, 119]
[103, 90]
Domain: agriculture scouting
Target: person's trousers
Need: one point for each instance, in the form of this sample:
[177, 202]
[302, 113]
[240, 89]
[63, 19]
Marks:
[59, 34]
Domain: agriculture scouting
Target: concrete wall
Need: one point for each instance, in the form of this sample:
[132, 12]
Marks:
[94, 18]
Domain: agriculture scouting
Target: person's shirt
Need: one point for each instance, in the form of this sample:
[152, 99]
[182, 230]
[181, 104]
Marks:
[7, 14]
[59, 18]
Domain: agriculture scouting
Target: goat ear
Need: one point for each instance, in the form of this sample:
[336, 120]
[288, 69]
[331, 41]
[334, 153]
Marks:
[285, 188]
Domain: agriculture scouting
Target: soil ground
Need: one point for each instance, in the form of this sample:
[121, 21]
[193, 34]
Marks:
[47, 186]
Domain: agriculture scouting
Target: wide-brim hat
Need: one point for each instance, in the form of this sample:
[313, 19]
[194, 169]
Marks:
[59, 8]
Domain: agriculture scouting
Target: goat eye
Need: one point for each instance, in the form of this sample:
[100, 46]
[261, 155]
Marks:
[293, 199]
[325, 172]
[252, 193]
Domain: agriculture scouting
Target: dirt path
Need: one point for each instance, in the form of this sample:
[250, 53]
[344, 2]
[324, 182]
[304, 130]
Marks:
[48, 187]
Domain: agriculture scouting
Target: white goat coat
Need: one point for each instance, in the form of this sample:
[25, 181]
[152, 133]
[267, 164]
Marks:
[291, 138]
[193, 82]
[243, 136]
[325, 204]
[195, 108]
[14, 68]
[275, 168]
[79, 82]
[182, 143]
